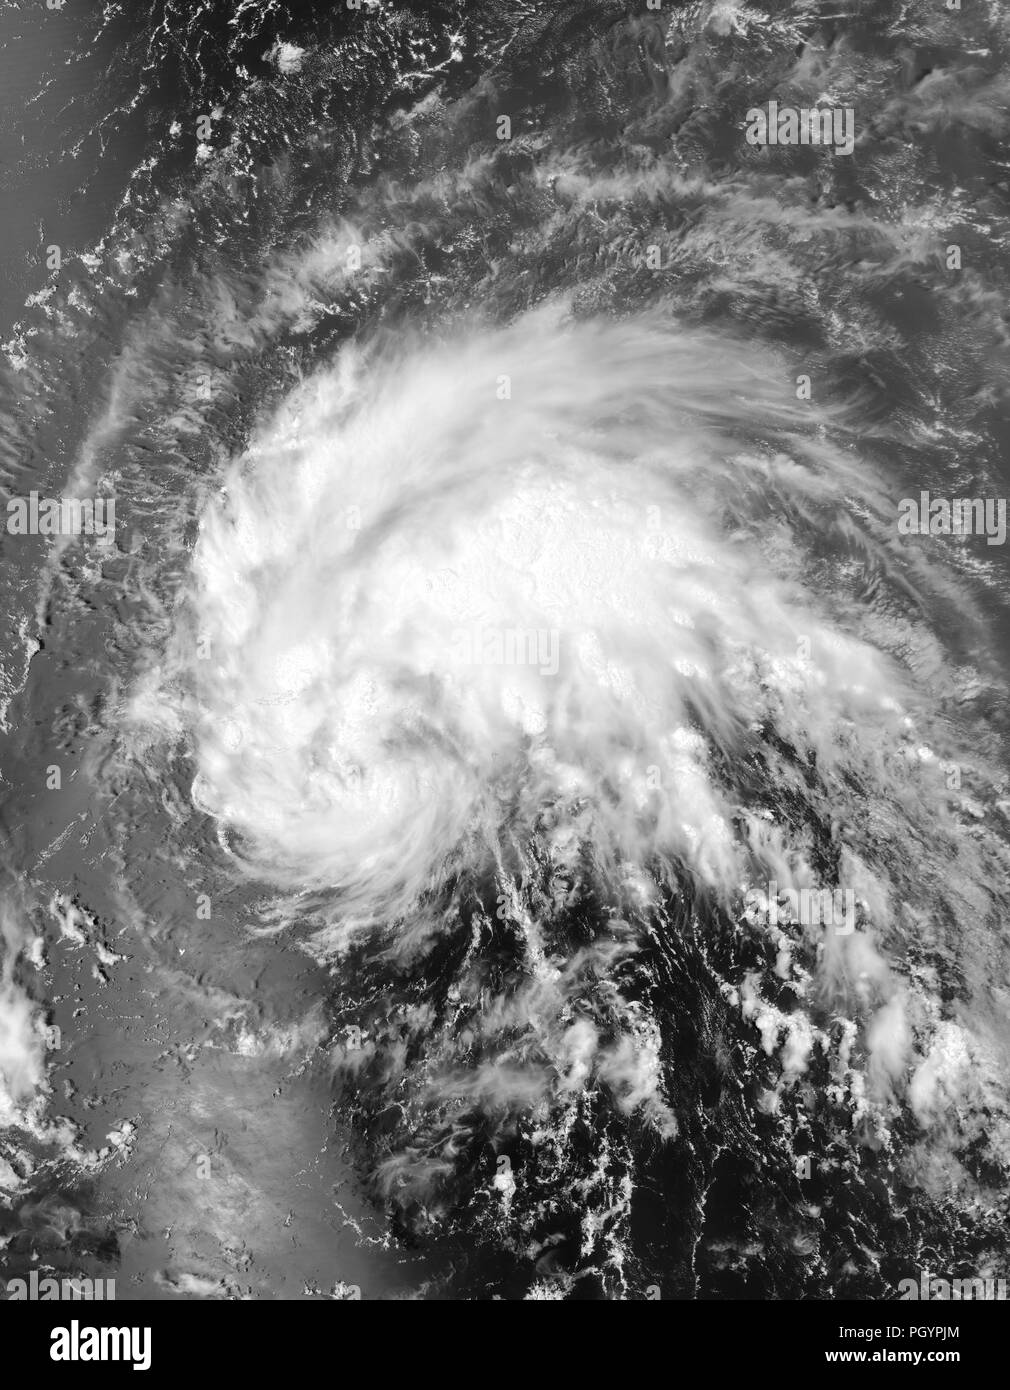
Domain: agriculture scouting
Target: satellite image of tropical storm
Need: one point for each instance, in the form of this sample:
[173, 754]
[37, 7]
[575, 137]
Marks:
[504, 752]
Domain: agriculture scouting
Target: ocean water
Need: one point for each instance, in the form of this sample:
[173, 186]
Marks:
[506, 589]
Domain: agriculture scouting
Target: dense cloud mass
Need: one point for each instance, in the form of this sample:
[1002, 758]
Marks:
[510, 767]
